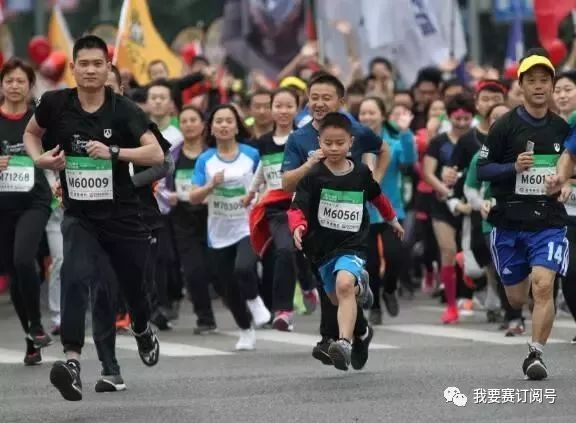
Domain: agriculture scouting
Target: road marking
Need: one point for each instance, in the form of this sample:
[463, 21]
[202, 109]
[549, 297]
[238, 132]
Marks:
[302, 339]
[13, 356]
[167, 349]
[463, 333]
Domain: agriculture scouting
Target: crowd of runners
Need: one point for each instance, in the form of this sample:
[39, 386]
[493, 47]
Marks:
[342, 196]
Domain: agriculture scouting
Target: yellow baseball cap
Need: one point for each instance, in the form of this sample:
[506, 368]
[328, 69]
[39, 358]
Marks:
[535, 60]
[293, 82]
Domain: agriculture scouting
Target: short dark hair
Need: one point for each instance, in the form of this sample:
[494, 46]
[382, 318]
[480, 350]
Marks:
[429, 74]
[460, 101]
[89, 42]
[357, 87]
[243, 133]
[491, 109]
[117, 75]
[380, 60]
[259, 91]
[569, 74]
[454, 82]
[16, 63]
[336, 120]
[199, 112]
[287, 90]
[328, 79]
[160, 83]
[379, 103]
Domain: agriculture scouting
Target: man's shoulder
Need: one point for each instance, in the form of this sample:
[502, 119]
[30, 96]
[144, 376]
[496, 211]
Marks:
[124, 104]
[303, 133]
[359, 130]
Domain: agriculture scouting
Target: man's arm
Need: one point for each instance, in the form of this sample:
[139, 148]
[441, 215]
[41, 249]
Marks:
[382, 162]
[53, 159]
[565, 166]
[148, 154]
[154, 173]
[490, 166]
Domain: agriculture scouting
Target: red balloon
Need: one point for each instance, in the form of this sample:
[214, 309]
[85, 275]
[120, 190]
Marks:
[39, 49]
[111, 50]
[557, 51]
[511, 72]
[188, 52]
[53, 67]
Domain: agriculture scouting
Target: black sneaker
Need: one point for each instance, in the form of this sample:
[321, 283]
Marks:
[360, 350]
[148, 346]
[66, 378]
[391, 303]
[320, 351]
[573, 341]
[533, 367]
[340, 352]
[40, 339]
[160, 320]
[205, 329]
[110, 383]
[375, 317]
[33, 358]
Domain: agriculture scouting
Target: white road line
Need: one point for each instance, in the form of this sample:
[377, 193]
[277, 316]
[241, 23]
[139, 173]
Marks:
[462, 333]
[298, 339]
[14, 356]
[167, 349]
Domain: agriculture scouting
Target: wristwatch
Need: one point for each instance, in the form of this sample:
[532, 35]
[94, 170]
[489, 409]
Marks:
[114, 152]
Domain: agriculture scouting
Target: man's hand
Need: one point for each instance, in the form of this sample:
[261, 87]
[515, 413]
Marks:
[298, 232]
[485, 209]
[52, 160]
[464, 208]
[98, 150]
[553, 184]
[449, 175]
[565, 192]
[398, 229]
[316, 157]
[524, 161]
[4, 162]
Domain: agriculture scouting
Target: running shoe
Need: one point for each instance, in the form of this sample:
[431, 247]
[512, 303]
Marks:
[33, 358]
[493, 316]
[148, 346]
[260, 314]
[247, 340]
[466, 306]
[391, 303]
[450, 315]
[65, 376]
[428, 283]
[360, 350]
[573, 341]
[110, 383]
[515, 327]
[311, 299]
[533, 367]
[340, 353]
[320, 351]
[39, 338]
[284, 321]
[375, 317]
[365, 297]
[160, 320]
[205, 329]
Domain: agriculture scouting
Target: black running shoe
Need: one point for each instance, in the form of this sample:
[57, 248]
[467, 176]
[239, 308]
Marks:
[360, 350]
[40, 339]
[205, 329]
[33, 358]
[375, 317]
[391, 303]
[110, 383]
[320, 351]
[533, 367]
[573, 341]
[66, 378]
[340, 353]
[148, 346]
[161, 321]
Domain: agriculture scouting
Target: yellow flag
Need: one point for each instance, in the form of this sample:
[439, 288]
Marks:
[60, 39]
[139, 43]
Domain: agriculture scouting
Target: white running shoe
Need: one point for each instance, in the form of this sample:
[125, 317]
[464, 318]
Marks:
[247, 340]
[260, 314]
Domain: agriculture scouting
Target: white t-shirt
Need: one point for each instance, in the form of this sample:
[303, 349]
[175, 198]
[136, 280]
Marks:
[172, 135]
[227, 218]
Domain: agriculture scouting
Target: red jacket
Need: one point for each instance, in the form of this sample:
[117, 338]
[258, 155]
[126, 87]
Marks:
[260, 235]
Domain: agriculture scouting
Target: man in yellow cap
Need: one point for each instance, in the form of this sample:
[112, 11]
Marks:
[528, 242]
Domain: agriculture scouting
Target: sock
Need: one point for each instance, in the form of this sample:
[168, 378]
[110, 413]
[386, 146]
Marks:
[537, 346]
[448, 275]
[363, 337]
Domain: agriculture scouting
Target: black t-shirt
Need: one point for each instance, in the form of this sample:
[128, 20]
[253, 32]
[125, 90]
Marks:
[441, 149]
[521, 199]
[334, 207]
[94, 189]
[188, 219]
[466, 147]
[24, 185]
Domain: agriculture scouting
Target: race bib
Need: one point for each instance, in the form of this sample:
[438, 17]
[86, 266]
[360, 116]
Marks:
[89, 179]
[532, 181]
[226, 202]
[570, 204]
[183, 183]
[19, 176]
[271, 164]
[341, 210]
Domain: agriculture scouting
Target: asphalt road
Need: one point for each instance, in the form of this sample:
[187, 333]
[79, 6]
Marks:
[201, 379]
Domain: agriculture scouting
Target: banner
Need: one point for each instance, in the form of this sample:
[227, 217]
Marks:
[60, 39]
[139, 43]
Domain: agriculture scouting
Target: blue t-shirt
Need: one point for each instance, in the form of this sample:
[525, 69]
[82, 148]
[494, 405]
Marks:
[303, 143]
[570, 143]
[402, 153]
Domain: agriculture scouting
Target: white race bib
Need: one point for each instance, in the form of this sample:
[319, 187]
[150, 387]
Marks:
[271, 164]
[183, 183]
[226, 202]
[19, 176]
[532, 181]
[89, 179]
[341, 210]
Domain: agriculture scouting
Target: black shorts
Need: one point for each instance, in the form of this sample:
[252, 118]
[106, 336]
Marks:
[440, 211]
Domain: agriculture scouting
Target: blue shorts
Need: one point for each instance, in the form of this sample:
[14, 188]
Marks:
[350, 263]
[515, 252]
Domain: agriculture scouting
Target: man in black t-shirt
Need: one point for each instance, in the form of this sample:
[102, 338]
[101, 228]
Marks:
[90, 135]
[528, 242]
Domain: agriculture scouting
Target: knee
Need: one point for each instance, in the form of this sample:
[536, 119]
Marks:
[542, 289]
[344, 287]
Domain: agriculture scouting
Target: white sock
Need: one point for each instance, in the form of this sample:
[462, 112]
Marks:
[537, 346]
